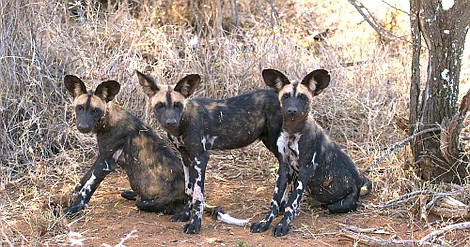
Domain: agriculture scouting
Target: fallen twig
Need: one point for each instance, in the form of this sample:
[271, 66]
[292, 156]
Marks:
[375, 241]
[407, 197]
[363, 230]
[431, 236]
[425, 241]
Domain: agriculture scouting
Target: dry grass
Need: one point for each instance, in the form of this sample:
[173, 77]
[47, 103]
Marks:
[42, 155]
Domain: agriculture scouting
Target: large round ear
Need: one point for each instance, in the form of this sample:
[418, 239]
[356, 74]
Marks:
[317, 80]
[107, 90]
[274, 79]
[148, 84]
[74, 85]
[188, 85]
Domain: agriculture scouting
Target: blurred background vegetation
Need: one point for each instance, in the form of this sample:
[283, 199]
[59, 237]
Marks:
[228, 42]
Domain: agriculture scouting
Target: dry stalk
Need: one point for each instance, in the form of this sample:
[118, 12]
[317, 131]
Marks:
[427, 240]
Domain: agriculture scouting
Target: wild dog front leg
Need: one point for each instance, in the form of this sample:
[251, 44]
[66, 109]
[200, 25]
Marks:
[88, 184]
[197, 175]
[279, 190]
[305, 173]
[188, 188]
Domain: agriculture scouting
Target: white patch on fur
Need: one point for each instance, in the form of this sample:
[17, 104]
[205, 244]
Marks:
[282, 142]
[117, 154]
[274, 203]
[207, 139]
[314, 163]
[197, 193]
[288, 147]
[312, 85]
[278, 84]
[87, 187]
[187, 190]
[108, 167]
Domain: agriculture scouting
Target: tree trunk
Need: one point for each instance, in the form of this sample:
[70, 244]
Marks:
[437, 155]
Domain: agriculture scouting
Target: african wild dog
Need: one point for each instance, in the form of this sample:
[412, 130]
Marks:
[309, 158]
[199, 125]
[154, 172]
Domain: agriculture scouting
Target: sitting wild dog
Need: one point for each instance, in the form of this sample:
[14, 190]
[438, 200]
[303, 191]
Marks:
[154, 172]
[309, 158]
[200, 125]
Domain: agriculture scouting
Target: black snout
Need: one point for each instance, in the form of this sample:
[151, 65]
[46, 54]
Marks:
[292, 110]
[171, 122]
[84, 127]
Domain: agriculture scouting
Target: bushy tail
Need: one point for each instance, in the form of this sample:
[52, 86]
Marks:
[218, 214]
[366, 187]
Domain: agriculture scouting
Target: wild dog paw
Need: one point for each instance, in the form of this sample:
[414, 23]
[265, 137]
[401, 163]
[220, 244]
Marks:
[281, 229]
[192, 228]
[74, 209]
[261, 226]
[129, 195]
[181, 217]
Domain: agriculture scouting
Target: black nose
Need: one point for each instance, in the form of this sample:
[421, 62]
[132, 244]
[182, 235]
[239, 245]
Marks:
[170, 122]
[84, 128]
[291, 110]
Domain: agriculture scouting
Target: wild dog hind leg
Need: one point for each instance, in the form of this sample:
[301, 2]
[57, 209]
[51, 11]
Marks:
[88, 184]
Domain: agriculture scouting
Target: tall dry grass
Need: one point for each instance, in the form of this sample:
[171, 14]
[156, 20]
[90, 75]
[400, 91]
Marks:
[43, 156]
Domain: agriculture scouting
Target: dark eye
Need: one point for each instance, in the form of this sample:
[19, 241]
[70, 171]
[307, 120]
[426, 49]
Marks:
[96, 110]
[285, 96]
[178, 105]
[303, 97]
[159, 105]
[79, 107]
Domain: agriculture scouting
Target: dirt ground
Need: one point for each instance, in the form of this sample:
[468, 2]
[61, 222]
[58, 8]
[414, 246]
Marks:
[110, 218]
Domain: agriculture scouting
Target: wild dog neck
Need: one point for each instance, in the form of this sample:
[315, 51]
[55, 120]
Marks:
[293, 125]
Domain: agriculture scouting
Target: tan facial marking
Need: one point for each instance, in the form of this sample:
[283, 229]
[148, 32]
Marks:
[95, 102]
[161, 96]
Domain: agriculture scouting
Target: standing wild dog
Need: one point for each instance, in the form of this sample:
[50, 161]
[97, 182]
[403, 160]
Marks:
[154, 172]
[309, 158]
[200, 125]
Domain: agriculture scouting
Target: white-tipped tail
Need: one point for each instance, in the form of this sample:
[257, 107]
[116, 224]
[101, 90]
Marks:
[230, 220]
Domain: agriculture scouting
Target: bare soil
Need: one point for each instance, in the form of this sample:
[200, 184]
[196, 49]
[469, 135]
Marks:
[109, 217]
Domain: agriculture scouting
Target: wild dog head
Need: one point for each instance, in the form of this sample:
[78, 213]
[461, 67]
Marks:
[295, 97]
[90, 107]
[168, 102]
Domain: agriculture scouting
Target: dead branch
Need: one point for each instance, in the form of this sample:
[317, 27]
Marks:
[431, 236]
[395, 8]
[375, 241]
[414, 194]
[397, 146]
[449, 207]
[369, 18]
[363, 230]
[425, 241]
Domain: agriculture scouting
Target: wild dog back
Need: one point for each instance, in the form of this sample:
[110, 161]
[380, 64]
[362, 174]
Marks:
[232, 123]
[154, 172]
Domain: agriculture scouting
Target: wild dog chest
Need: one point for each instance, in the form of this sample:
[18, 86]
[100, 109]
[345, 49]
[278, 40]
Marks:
[288, 147]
